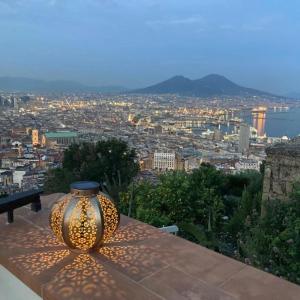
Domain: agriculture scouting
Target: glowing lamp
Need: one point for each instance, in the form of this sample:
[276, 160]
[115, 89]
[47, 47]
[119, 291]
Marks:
[85, 218]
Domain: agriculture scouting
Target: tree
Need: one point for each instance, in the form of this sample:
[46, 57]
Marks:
[59, 180]
[193, 202]
[165, 204]
[205, 186]
[111, 163]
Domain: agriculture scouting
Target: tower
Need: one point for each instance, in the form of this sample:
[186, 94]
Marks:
[35, 137]
[244, 138]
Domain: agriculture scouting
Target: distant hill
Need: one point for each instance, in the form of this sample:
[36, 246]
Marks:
[20, 84]
[208, 86]
[294, 95]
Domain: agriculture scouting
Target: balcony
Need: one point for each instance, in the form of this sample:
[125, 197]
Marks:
[140, 262]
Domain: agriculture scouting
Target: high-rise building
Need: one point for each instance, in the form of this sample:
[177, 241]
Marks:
[244, 138]
[35, 137]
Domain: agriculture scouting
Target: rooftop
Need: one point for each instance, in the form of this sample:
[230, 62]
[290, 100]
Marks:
[291, 148]
[140, 262]
[61, 134]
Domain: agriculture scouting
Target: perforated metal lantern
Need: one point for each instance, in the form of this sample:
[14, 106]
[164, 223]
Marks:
[85, 218]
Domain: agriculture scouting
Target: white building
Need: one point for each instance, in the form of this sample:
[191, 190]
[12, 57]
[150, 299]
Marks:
[18, 177]
[247, 164]
[164, 160]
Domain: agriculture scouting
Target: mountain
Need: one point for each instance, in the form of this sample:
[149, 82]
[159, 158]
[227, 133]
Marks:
[20, 84]
[208, 86]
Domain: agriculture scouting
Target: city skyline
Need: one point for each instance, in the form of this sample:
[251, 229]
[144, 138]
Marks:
[138, 43]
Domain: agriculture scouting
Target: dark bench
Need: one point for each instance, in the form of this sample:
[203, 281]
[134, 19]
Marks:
[11, 202]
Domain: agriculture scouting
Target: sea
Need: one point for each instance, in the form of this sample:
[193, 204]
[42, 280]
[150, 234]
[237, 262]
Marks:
[278, 122]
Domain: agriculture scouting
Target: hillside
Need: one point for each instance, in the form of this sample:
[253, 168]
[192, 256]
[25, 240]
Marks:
[20, 84]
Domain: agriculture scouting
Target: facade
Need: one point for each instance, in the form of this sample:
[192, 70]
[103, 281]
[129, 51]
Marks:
[6, 178]
[35, 137]
[63, 138]
[244, 138]
[146, 163]
[18, 177]
[247, 164]
[282, 170]
[164, 161]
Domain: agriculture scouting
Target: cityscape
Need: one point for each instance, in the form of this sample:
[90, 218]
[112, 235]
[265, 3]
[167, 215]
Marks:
[149, 150]
[169, 132]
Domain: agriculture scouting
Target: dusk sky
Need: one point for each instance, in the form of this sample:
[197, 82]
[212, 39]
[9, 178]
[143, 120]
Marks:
[136, 43]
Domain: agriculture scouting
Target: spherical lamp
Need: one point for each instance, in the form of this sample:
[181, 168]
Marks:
[85, 218]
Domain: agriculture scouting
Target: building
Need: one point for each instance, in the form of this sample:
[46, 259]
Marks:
[146, 163]
[35, 137]
[282, 170]
[164, 161]
[244, 138]
[61, 138]
[247, 164]
[218, 135]
[18, 175]
[6, 177]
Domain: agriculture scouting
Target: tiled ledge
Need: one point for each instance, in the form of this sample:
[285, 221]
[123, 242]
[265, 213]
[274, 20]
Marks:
[140, 263]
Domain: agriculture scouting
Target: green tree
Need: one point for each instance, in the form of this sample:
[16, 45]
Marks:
[59, 180]
[164, 204]
[110, 162]
[206, 184]
[193, 202]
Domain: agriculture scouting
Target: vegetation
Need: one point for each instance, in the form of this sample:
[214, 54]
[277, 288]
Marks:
[223, 212]
[111, 163]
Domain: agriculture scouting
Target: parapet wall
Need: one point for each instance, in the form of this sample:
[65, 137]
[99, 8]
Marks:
[282, 170]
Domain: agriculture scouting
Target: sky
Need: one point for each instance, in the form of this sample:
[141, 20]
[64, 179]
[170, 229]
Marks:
[135, 43]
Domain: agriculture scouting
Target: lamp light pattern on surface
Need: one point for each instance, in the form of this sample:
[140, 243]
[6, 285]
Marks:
[84, 222]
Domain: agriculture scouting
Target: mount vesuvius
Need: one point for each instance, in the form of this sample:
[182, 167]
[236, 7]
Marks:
[208, 86]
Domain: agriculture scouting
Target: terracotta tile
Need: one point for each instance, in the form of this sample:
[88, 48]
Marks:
[86, 278]
[22, 235]
[253, 284]
[134, 261]
[31, 254]
[193, 259]
[132, 231]
[209, 266]
[173, 284]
